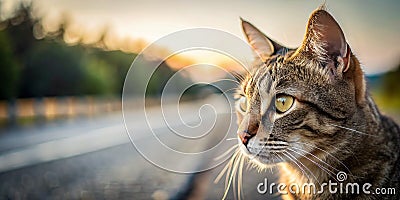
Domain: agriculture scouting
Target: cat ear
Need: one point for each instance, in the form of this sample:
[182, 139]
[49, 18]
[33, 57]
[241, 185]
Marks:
[325, 40]
[260, 43]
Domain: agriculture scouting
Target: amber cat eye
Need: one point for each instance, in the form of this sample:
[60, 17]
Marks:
[283, 102]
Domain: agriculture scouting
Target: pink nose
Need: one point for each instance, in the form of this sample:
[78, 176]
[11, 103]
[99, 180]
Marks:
[244, 137]
[248, 127]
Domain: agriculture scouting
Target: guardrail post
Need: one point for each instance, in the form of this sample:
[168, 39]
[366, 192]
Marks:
[12, 112]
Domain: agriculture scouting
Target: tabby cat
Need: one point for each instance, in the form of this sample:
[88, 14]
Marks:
[307, 112]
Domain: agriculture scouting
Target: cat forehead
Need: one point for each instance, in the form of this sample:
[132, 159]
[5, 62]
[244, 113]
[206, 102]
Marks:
[282, 70]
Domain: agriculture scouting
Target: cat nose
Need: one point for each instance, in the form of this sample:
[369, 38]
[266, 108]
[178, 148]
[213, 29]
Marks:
[244, 136]
[248, 128]
[247, 134]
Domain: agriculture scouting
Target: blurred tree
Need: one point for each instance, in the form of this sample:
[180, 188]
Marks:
[391, 86]
[52, 70]
[119, 63]
[98, 78]
[385, 90]
[20, 29]
[9, 69]
[49, 67]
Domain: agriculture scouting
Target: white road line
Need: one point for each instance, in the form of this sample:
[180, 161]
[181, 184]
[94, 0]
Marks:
[57, 149]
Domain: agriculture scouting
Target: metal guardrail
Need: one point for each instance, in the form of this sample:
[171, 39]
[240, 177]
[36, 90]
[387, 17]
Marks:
[54, 107]
[49, 108]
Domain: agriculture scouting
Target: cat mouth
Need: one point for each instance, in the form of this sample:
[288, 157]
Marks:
[271, 157]
[269, 151]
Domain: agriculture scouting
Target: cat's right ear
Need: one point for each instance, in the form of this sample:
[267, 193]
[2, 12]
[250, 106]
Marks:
[261, 44]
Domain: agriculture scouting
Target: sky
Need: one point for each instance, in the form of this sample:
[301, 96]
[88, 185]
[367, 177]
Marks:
[372, 28]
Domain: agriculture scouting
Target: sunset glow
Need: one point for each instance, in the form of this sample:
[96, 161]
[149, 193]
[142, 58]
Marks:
[371, 28]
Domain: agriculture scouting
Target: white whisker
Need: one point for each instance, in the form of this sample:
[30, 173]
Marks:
[240, 177]
[353, 130]
[330, 173]
[225, 168]
[304, 167]
[315, 158]
[340, 162]
[235, 166]
[304, 173]
[226, 152]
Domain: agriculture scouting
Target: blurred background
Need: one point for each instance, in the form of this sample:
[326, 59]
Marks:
[62, 68]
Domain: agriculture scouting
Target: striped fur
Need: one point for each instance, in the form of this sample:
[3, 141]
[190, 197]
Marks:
[333, 125]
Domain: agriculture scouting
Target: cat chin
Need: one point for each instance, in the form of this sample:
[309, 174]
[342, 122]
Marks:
[260, 161]
[262, 164]
[266, 160]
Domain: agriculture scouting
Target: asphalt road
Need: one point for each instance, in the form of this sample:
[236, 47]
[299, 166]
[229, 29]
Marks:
[95, 159]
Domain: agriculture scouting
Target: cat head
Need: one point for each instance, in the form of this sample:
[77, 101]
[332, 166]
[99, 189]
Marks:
[294, 103]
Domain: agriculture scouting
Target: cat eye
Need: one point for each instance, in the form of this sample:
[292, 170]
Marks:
[283, 102]
[243, 104]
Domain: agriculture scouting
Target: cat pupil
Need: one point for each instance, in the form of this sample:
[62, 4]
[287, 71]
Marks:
[282, 100]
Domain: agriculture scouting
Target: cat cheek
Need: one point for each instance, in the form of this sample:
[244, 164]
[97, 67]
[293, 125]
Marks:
[239, 117]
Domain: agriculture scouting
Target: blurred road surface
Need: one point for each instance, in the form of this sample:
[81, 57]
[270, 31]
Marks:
[94, 159]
